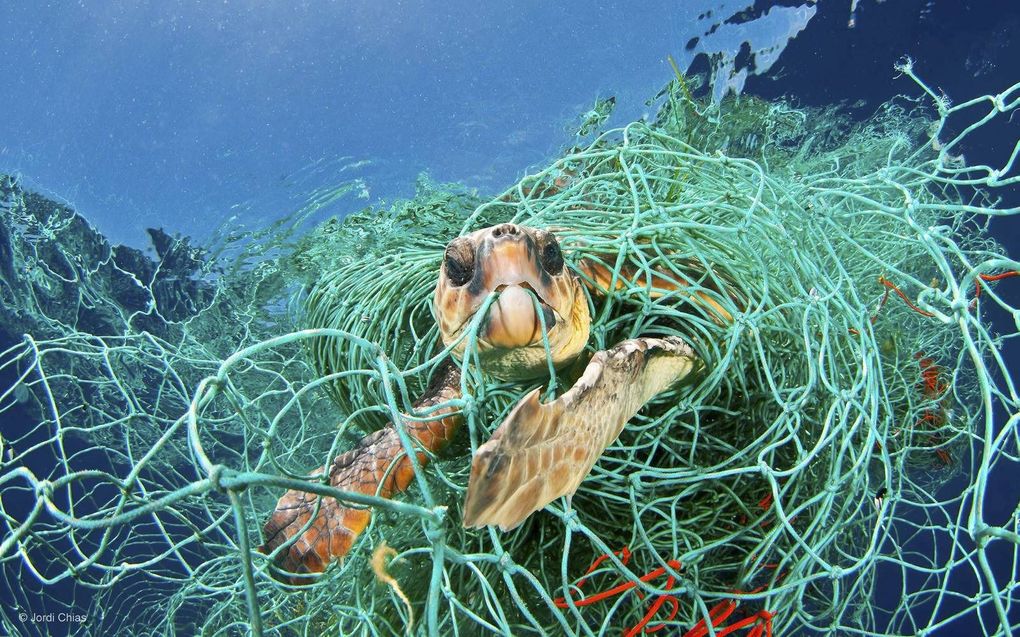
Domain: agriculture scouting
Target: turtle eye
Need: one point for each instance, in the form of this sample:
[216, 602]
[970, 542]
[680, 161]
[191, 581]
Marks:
[459, 263]
[552, 257]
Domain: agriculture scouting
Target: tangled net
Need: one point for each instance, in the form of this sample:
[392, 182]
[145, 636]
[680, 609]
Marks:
[839, 446]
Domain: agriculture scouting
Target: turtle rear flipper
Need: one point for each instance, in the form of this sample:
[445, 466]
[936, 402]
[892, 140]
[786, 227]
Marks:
[325, 527]
[541, 452]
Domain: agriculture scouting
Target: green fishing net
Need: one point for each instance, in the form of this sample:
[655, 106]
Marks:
[835, 454]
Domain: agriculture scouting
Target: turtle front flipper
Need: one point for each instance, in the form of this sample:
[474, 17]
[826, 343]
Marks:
[541, 452]
[702, 285]
[377, 466]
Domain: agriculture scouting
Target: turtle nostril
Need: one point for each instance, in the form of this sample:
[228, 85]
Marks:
[508, 229]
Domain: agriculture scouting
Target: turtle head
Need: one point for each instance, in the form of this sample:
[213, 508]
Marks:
[519, 265]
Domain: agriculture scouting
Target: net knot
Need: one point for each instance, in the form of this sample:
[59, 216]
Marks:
[570, 520]
[635, 481]
[505, 562]
[440, 512]
[44, 489]
[215, 475]
[744, 321]
[434, 529]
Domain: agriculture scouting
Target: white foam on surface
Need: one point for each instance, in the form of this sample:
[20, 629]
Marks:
[767, 36]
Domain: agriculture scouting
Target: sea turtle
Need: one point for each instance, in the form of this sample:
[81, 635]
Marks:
[541, 451]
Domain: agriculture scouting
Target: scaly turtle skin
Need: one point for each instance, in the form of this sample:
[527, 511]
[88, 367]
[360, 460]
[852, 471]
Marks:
[541, 451]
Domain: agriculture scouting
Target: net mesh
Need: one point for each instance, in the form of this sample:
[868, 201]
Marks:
[827, 475]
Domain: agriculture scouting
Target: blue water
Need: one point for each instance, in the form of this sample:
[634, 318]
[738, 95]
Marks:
[183, 114]
[173, 113]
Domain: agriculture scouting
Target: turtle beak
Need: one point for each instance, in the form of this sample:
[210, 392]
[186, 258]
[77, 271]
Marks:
[511, 258]
[512, 320]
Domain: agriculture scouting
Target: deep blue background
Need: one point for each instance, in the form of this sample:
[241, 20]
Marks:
[965, 49]
[181, 114]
